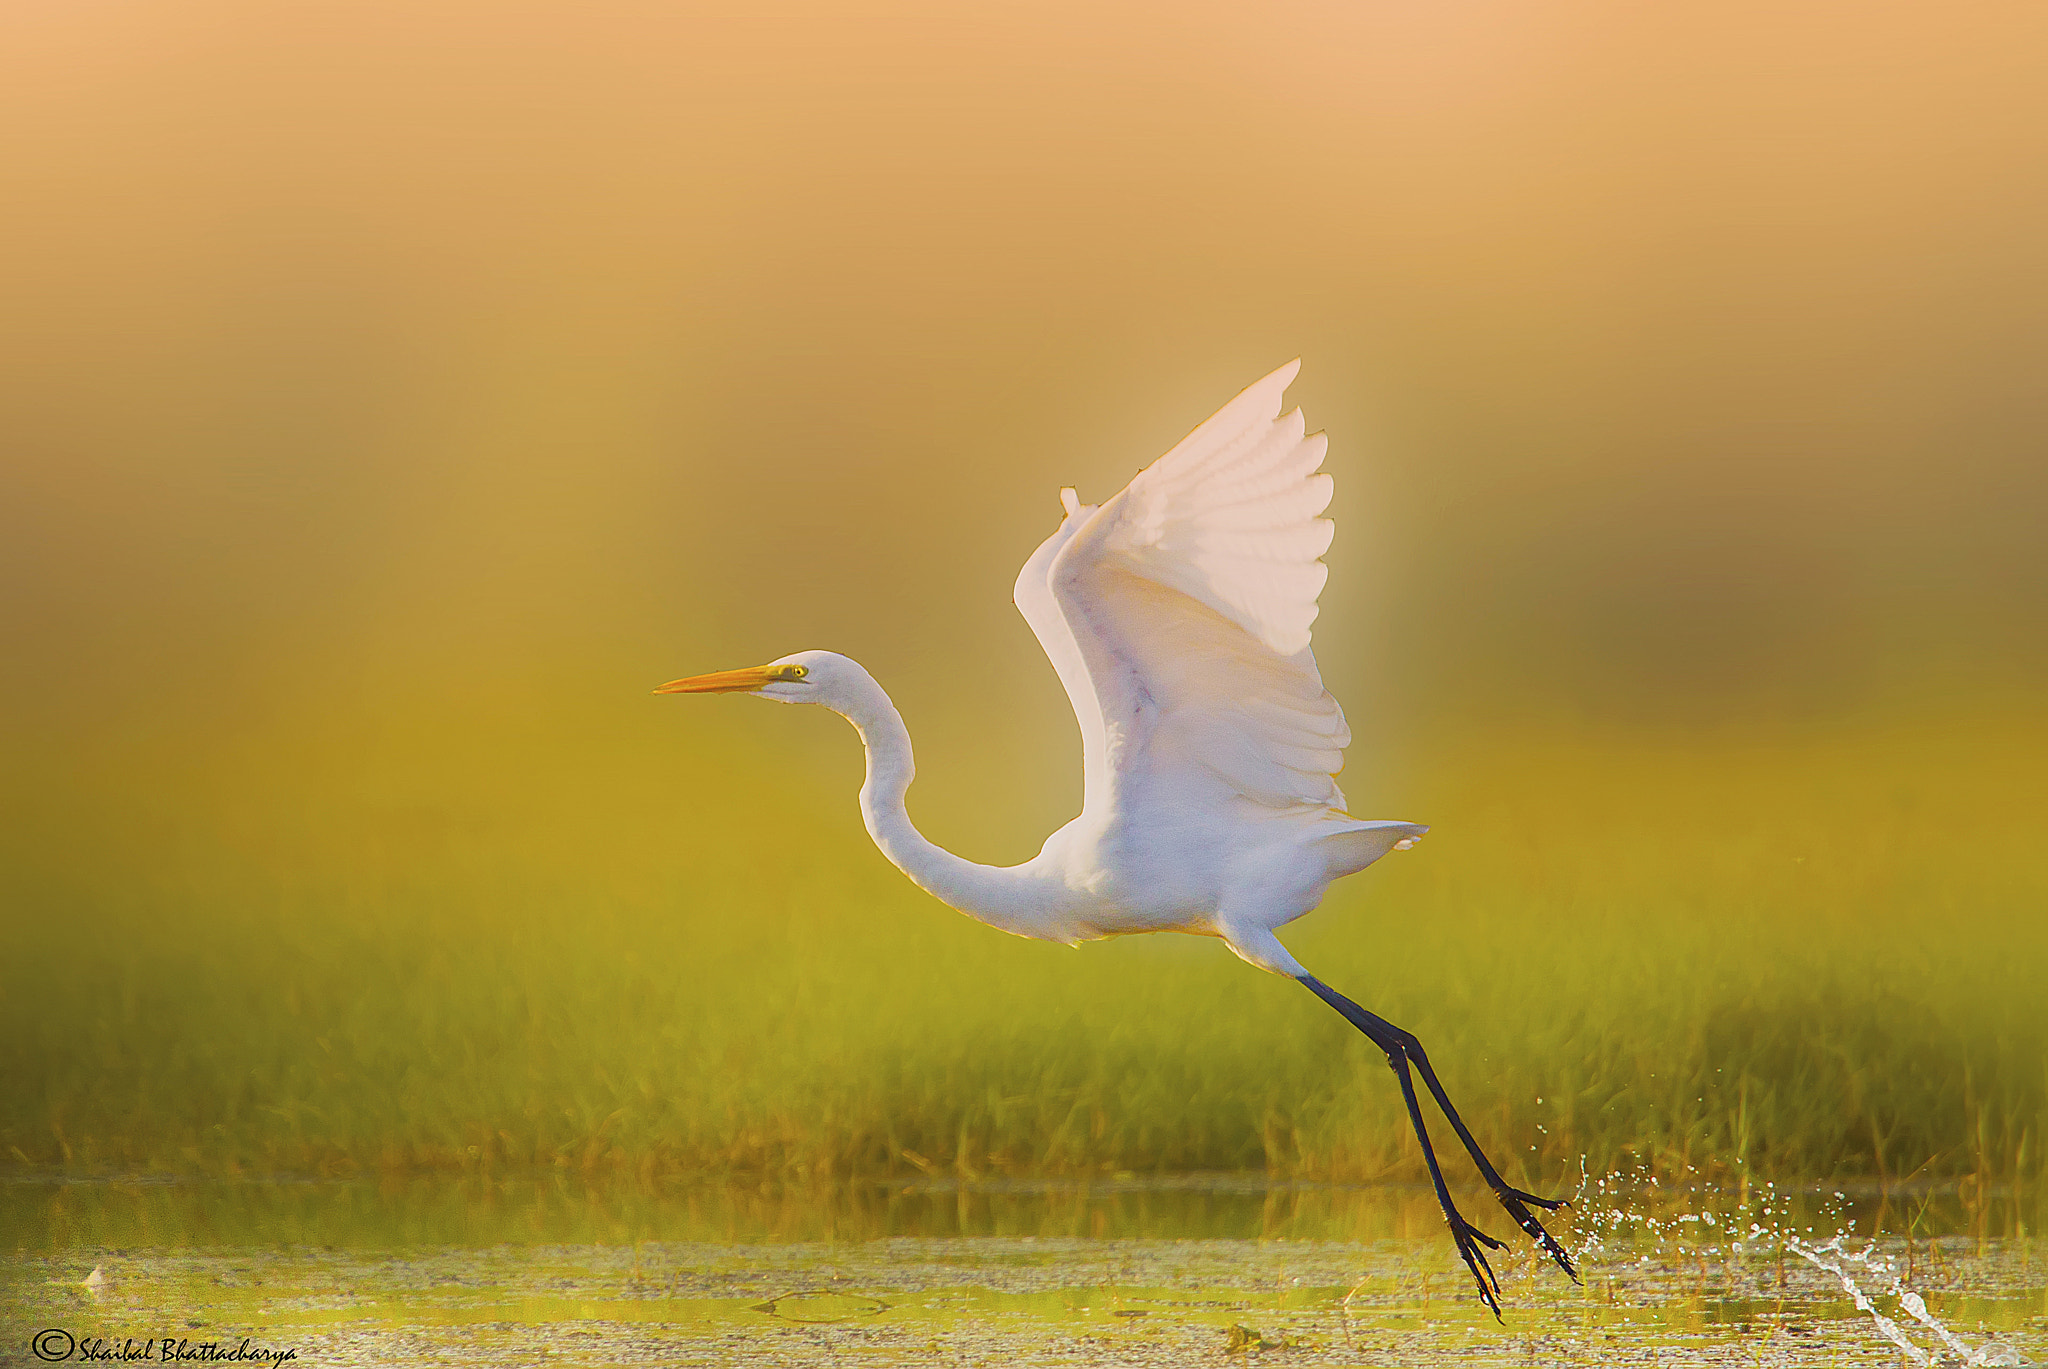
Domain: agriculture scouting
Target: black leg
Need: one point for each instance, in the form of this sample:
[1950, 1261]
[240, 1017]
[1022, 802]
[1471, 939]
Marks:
[1403, 1050]
[1468, 1237]
[1513, 1199]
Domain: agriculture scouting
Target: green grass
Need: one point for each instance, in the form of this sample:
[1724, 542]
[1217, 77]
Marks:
[1799, 957]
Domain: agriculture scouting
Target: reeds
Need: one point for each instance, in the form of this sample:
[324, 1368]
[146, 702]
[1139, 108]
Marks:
[1799, 959]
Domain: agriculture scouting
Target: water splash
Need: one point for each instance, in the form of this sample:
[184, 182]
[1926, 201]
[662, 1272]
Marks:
[1818, 1257]
[1832, 1256]
[1700, 1220]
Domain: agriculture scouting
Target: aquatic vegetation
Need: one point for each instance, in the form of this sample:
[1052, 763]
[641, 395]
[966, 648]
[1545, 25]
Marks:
[1671, 1270]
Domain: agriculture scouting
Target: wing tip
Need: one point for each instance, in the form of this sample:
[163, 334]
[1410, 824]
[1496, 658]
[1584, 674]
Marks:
[1270, 387]
[1281, 378]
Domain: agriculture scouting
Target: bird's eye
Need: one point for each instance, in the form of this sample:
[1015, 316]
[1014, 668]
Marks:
[791, 672]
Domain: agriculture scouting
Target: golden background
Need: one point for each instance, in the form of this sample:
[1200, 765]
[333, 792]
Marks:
[391, 394]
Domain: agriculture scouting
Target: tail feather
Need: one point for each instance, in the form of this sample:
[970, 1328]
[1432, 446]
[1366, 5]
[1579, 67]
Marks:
[1356, 845]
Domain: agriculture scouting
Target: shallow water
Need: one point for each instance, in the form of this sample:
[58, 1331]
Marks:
[1112, 1273]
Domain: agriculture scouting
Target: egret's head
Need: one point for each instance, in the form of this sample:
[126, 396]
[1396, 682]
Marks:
[809, 677]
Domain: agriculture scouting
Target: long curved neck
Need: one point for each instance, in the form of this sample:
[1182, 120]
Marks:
[1013, 899]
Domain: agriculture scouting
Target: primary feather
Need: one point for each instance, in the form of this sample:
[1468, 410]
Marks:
[1179, 618]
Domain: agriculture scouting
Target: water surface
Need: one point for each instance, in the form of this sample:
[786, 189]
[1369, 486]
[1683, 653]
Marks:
[1115, 1272]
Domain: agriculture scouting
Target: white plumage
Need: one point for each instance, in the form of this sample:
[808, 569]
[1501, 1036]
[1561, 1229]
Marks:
[1189, 597]
[1178, 618]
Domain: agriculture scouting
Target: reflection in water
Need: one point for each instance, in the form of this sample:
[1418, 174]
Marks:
[575, 1209]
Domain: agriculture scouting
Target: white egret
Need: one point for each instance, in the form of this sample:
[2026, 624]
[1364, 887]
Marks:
[1177, 616]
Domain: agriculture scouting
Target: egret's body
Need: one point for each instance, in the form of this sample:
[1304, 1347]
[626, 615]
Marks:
[1177, 616]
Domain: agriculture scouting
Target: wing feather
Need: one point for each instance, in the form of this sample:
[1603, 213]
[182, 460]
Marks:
[1184, 607]
[1034, 599]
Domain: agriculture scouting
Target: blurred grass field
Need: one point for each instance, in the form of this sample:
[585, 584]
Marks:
[1801, 956]
[394, 393]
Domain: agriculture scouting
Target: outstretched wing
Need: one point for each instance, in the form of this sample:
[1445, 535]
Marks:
[1034, 599]
[1185, 602]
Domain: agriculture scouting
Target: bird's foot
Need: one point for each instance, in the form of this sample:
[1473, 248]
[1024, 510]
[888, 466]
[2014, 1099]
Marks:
[1469, 1239]
[1516, 1202]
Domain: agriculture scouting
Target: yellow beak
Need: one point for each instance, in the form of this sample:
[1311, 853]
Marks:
[724, 681]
